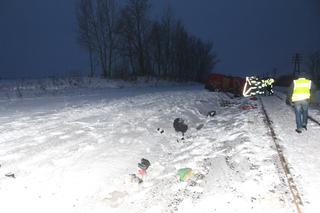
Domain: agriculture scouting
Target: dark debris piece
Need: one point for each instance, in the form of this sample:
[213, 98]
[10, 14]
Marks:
[160, 130]
[200, 126]
[135, 179]
[179, 125]
[144, 164]
[11, 175]
[212, 113]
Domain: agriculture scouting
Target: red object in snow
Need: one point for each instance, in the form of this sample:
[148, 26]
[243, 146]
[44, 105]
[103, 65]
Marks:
[248, 107]
[142, 172]
[219, 82]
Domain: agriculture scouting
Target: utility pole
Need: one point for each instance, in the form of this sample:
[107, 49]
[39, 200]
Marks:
[274, 73]
[296, 60]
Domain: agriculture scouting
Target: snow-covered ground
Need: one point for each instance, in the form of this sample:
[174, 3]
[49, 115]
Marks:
[73, 151]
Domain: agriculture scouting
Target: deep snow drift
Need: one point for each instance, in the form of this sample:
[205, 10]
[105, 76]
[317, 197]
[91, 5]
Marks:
[73, 152]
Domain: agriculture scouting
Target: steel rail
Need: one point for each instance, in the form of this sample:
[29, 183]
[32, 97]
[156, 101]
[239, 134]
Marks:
[292, 186]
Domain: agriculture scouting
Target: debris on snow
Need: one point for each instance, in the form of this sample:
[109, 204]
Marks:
[133, 178]
[248, 107]
[234, 171]
[144, 164]
[212, 113]
[160, 130]
[10, 174]
[200, 126]
[185, 174]
[179, 125]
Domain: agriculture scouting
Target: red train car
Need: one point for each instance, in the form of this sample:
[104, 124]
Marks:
[219, 82]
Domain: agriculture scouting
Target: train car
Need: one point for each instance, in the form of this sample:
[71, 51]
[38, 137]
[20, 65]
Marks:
[217, 82]
[223, 83]
[238, 84]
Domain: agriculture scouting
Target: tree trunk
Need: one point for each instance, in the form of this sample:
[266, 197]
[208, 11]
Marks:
[91, 63]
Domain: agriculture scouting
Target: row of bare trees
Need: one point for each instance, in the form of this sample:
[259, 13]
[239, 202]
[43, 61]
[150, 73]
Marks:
[123, 41]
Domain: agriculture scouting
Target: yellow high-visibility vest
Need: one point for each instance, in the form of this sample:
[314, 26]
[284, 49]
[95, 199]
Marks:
[301, 90]
[270, 81]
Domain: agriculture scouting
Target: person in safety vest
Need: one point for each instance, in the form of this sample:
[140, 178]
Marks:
[299, 95]
[269, 87]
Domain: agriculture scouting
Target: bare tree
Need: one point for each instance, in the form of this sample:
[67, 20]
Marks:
[156, 49]
[85, 30]
[97, 31]
[178, 54]
[168, 23]
[206, 60]
[162, 49]
[126, 47]
[181, 51]
[194, 59]
[107, 14]
[127, 43]
[135, 30]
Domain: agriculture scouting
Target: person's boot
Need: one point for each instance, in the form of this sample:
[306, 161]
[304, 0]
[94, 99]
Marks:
[305, 127]
[298, 131]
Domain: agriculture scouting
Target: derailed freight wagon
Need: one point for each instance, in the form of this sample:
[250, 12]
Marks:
[224, 83]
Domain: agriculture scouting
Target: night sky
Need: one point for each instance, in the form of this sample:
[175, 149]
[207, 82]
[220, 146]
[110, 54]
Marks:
[38, 37]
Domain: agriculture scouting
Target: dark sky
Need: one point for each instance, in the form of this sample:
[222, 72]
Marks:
[37, 37]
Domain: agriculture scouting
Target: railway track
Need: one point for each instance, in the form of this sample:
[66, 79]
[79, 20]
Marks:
[293, 188]
[297, 200]
[284, 164]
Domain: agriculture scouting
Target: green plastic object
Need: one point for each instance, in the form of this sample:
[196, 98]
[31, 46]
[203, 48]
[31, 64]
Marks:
[184, 174]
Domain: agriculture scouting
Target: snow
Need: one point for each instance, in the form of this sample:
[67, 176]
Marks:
[301, 150]
[72, 149]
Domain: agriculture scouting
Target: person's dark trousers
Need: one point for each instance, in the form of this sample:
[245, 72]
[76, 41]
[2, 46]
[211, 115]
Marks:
[269, 89]
[301, 111]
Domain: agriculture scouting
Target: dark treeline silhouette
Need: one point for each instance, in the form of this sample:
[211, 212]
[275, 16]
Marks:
[124, 42]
